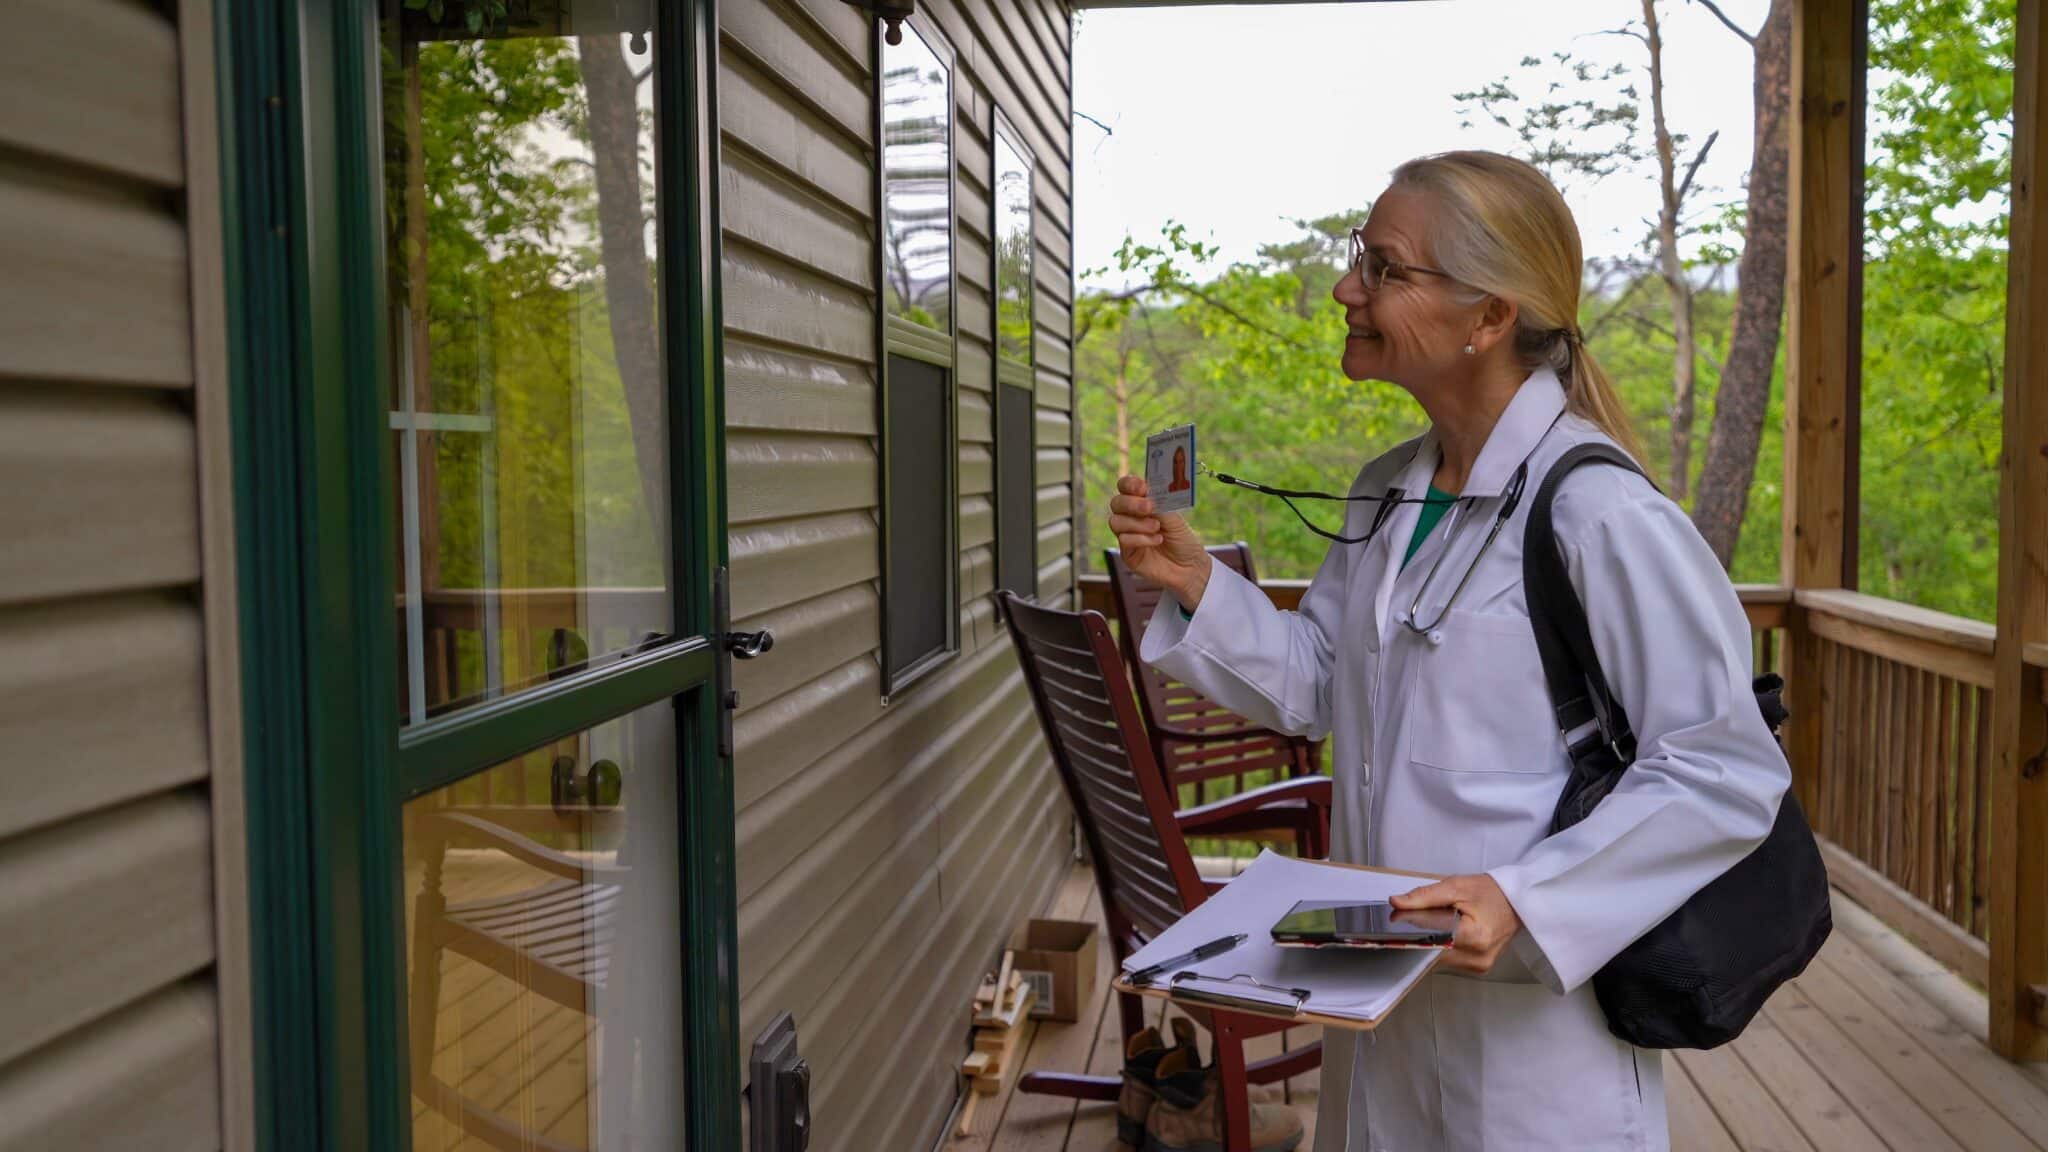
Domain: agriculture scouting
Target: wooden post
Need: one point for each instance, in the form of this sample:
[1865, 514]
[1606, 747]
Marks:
[2019, 717]
[1823, 341]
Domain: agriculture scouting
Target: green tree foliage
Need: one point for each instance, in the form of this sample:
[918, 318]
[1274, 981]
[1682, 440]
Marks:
[1934, 300]
[1249, 351]
[517, 317]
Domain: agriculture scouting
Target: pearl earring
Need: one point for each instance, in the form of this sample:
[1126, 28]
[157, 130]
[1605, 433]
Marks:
[1468, 350]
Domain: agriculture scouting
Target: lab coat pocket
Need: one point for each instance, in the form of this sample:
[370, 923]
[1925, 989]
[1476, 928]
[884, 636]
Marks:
[1478, 702]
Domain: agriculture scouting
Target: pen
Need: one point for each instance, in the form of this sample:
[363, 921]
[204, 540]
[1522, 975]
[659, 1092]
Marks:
[1215, 947]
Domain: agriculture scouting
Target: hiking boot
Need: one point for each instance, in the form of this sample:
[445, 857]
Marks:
[1141, 1062]
[1188, 1116]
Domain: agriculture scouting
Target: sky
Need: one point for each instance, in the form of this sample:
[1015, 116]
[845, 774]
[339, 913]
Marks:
[1235, 120]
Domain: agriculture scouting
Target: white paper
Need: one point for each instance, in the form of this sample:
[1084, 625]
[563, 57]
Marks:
[1354, 983]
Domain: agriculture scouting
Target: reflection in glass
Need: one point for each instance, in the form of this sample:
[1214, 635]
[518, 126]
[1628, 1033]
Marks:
[527, 395]
[917, 184]
[1013, 252]
[542, 930]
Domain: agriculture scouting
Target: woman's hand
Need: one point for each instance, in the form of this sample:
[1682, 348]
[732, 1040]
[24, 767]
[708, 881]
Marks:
[1486, 921]
[1160, 548]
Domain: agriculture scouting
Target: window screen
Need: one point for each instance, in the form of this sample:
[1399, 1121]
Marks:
[1016, 535]
[917, 593]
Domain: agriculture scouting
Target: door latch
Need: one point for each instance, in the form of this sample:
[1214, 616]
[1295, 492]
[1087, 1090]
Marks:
[778, 1090]
[743, 645]
[747, 645]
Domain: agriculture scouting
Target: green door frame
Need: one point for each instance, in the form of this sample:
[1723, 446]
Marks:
[328, 770]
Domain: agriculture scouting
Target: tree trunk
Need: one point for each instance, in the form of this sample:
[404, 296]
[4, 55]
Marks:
[1677, 287]
[1745, 391]
[1123, 413]
[628, 282]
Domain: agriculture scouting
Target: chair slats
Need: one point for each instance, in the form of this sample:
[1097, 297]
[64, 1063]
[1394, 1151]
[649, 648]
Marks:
[1143, 871]
[1182, 721]
[1084, 703]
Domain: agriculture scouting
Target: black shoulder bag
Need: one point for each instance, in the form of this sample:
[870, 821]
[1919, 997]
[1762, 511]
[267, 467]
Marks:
[1697, 978]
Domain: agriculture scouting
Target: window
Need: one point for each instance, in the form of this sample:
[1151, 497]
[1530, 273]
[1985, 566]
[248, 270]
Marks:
[1013, 248]
[1016, 448]
[919, 567]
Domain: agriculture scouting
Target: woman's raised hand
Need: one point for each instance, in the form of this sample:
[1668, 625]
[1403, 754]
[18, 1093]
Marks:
[1160, 547]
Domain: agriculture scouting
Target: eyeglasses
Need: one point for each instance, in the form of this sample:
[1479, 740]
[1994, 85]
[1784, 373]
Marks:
[1374, 269]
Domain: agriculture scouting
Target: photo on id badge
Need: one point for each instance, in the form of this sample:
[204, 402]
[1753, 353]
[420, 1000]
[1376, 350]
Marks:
[1170, 469]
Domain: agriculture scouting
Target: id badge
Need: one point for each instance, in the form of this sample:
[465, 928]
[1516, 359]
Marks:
[1170, 469]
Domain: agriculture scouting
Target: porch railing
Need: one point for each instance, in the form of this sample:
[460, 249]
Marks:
[1901, 789]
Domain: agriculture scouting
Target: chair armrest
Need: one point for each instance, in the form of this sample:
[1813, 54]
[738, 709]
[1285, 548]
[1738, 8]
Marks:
[1310, 792]
[528, 852]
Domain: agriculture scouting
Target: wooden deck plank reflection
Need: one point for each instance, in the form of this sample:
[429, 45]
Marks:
[498, 1044]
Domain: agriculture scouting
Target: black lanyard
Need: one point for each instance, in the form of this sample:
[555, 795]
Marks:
[1387, 503]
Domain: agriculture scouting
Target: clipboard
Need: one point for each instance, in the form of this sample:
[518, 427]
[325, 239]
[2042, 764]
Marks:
[1290, 997]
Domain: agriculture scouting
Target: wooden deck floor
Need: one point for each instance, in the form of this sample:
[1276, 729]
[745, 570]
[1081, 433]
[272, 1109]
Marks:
[1863, 1052]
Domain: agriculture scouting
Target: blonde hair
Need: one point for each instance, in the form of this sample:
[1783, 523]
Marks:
[1502, 227]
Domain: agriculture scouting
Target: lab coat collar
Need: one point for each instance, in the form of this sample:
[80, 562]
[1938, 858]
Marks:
[1535, 407]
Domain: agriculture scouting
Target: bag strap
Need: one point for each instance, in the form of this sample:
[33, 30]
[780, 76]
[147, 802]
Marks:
[1578, 687]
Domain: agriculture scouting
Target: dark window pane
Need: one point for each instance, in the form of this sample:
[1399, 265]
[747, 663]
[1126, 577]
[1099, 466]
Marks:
[1016, 535]
[1013, 252]
[917, 184]
[527, 409]
[919, 589]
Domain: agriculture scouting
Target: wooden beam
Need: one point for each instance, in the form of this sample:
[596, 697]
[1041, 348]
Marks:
[1823, 339]
[2019, 720]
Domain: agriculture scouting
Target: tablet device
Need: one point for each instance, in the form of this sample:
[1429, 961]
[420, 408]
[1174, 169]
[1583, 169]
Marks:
[1170, 469]
[1374, 924]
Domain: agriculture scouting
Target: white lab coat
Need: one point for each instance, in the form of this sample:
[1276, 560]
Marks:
[1447, 760]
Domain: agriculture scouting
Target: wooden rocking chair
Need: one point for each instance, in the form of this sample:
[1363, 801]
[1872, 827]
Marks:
[1194, 738]
[1143, 869]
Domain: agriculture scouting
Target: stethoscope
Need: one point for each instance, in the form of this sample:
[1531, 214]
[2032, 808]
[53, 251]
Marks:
[1388, 501]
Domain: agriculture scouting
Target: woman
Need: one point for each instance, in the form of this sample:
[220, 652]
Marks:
[1464, 290]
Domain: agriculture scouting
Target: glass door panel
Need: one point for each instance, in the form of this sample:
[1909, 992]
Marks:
[548, 882]
[528, 409]
[543, 936]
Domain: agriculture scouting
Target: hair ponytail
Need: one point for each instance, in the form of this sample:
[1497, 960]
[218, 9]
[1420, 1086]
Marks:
[1590, 395]
[1502, 227]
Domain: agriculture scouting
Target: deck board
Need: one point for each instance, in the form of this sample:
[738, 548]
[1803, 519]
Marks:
[1694, 1127]
[1853, 1055]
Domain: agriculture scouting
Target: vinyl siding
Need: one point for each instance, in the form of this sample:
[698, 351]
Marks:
[885, 852]
[110, 1032]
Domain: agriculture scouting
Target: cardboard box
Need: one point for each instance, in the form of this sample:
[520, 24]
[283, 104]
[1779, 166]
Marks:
[1057, 960]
